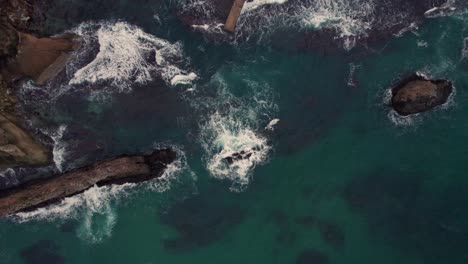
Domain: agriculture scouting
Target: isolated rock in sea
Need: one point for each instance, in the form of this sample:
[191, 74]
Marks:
[417, 94]
[119, 170]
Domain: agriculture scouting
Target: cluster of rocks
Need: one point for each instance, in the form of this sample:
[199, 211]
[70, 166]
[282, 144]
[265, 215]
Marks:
[22, 55]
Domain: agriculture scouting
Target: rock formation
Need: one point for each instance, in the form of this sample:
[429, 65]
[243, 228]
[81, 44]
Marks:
[116, 171]
[417, 94]
[24, 55]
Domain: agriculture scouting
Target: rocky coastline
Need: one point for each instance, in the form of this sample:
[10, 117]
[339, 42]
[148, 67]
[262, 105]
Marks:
[24, 56]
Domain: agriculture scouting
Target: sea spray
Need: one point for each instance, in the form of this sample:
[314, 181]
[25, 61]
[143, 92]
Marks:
[232, 135]
[95, 209]
[127, 55]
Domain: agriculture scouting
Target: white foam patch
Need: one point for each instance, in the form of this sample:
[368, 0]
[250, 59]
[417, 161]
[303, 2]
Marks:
[124, 56]
[444, 10]
[272, 124]
[231, 136]
[59, 149]
[183, 79]
[95, 209]
[351, 18]
[252, 5]
[227, 136]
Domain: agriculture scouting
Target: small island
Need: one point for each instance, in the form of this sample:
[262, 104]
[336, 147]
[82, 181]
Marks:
[417, 94]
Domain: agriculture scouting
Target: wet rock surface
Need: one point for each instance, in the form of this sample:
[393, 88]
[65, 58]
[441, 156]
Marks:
[119, 170]
[417, 94]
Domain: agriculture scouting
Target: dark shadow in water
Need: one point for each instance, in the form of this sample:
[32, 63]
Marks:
[42, 252]
[200, 222]
[332, 233]
[312, 256]
[69, 226]
[285, 235]
[433, 225]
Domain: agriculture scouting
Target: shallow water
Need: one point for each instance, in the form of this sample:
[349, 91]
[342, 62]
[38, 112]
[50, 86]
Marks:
[338, 179]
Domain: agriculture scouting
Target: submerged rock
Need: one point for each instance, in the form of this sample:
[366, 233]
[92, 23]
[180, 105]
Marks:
[312, 256]
[116, 171]
[200, 221]
[417, 94]
[44, 251]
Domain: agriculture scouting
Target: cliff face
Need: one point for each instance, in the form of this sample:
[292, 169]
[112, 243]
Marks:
[116, 171]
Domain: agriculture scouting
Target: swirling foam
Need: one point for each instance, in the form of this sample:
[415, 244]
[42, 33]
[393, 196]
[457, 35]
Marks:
[236, 127]
[124, 56]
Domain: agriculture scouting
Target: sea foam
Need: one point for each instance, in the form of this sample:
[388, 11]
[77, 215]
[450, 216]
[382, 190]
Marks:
[95, 209]
[127, 55]
[235, 128]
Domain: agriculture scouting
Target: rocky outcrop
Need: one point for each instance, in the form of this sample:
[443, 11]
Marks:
[116, 171]
[417, 94]
[24, 55]
[40, 58]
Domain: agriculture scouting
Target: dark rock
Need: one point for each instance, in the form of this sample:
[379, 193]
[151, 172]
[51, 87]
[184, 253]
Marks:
[312, 256]
[199, 222]
[417, 94]
[124, 169]
[237, 156]
[42, 252]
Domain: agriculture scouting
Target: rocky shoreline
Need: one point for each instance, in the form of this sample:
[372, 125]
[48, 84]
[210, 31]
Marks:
[124, 169]
[23, 56]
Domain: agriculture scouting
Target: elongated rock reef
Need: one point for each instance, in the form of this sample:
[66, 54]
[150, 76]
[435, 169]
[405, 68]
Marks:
[119, 170]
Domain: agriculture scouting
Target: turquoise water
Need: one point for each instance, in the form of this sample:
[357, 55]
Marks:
[344, 181]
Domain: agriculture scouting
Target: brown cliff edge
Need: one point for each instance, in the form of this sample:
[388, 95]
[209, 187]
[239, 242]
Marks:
[119, 170]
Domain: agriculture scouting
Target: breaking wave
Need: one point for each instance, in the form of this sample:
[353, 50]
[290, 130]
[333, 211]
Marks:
[349, 21]
[234, 135]
[113, 57]
[127, 55]
[95, 209]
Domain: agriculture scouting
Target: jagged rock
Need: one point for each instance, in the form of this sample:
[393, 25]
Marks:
[116, 171]
[417, 94]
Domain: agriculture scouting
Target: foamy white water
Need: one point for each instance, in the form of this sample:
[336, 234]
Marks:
[228, 136]
[127, 55]
[231, 136]
[272, 124]
[59, 150]
[351, 18]
[252, 5]
[95, 209]
[183, 79]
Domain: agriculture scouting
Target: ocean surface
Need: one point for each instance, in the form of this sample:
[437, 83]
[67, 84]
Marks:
[334, 175]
